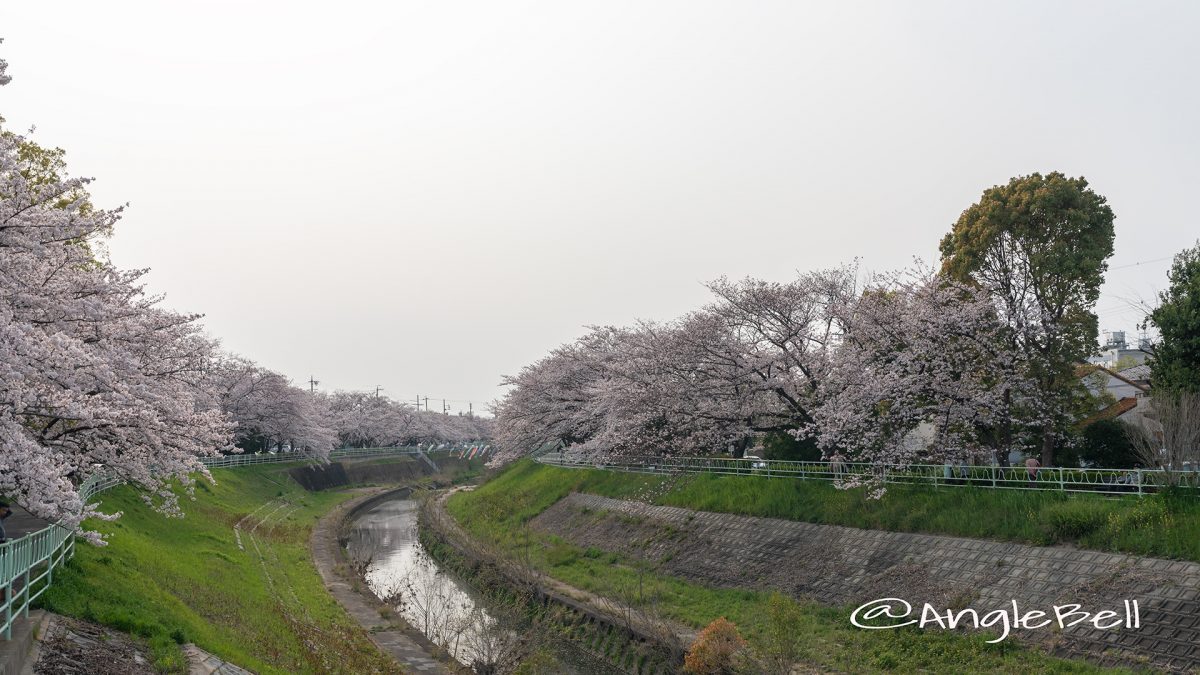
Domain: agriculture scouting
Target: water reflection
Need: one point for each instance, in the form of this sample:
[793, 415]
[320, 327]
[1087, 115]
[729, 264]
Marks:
[399, 571]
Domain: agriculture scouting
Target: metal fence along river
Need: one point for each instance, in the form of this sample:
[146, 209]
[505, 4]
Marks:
[1061, 479]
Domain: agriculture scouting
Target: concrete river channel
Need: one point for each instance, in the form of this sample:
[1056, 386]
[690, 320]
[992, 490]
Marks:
[432, 600]
[399, 571]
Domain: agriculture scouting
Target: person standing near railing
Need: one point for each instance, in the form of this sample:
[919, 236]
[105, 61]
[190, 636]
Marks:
[5, 512]
[1031, 469]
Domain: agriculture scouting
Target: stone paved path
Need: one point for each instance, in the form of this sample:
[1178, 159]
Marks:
[201, 662]
[844, 566]
[13, 652]
[21, 523]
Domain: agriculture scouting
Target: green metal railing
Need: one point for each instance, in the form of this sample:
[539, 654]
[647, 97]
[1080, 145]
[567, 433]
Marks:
[27, 564]
[1060, 479]
[228, 461]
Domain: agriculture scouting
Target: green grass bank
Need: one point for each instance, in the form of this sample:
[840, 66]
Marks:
[816, 635]
[261, 605]
[1160, 525]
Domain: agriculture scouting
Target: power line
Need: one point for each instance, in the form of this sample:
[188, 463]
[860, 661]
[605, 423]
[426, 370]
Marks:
[1143, 262]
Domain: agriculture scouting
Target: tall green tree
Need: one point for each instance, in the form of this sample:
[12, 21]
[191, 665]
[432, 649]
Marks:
[1039, 246]
[1175, 365]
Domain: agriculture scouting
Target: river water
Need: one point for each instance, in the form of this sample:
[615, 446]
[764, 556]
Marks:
[399, 571]
[448, 612]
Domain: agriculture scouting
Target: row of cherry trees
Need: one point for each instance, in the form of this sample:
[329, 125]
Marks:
[95, 372]
[976, 359]
[365, 420]
[272, 414]
[856, 365]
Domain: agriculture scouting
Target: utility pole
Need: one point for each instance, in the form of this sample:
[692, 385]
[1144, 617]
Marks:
[418, 403]
[470, 409]
[445, 410]
[377, 390]
[312, 384]
[426, 404]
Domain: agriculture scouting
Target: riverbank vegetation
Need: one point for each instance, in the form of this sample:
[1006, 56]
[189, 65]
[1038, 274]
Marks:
[1162, 525]
[249, 594]
[497, 512]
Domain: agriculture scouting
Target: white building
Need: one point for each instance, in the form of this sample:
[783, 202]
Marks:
[1116, 350]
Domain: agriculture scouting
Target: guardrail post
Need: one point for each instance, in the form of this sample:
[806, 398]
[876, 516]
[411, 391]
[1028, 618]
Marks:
[1062, 486]
[25, 590]
[8, 597]
[1139, 482]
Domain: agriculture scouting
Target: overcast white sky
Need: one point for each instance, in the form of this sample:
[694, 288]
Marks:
[427, 195]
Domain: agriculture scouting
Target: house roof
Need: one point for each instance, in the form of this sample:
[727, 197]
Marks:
[1085, 369]
[1140, 372]
[1111, 412]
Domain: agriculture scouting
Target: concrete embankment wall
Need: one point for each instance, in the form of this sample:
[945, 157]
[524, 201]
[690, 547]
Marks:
[606, 634]
[370, 471]
[846, 567]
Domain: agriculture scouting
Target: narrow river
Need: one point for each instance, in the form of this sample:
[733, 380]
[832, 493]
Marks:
[399, 571]
[447, 611]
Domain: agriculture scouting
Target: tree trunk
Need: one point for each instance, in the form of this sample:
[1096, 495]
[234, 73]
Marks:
[1048, 446]
[1006, 433]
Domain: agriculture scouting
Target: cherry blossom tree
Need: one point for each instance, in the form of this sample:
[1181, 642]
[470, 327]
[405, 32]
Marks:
[914, 367]
[748, 363]
[364, 420]
[921, 351]
[4, 77]
[552, 401]
[96, 376]
[92, 371]
[270, 412]
[782, 335]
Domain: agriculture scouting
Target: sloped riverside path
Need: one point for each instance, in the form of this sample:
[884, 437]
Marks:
[843, 566]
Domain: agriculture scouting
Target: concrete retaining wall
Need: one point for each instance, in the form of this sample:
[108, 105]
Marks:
[846, 567]
[347, 472]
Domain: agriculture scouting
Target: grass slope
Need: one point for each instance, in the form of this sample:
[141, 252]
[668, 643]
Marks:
[176, 580]
[498, 511]
[1164, 526]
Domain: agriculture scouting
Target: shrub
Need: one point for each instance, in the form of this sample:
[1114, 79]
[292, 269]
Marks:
[1106, 444]
[715, 651]
[781, 644]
